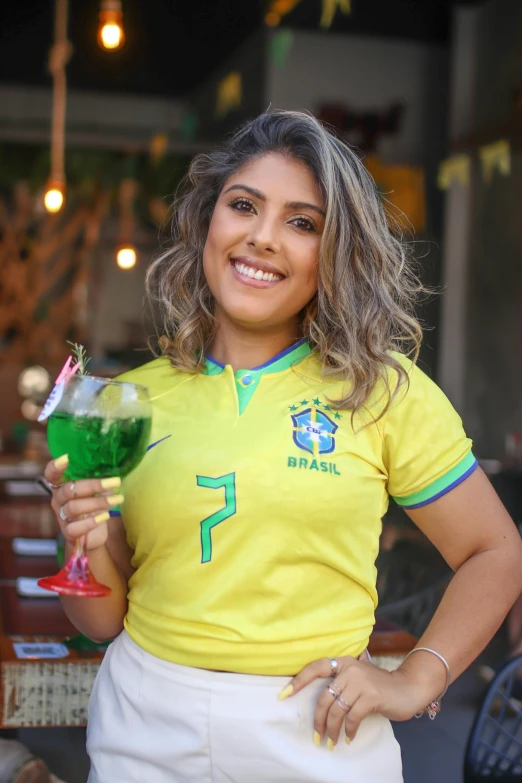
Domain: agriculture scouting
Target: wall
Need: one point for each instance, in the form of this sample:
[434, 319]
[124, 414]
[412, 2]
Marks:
[493, 366]
[117, 296]
[93, 119]
[366, 73]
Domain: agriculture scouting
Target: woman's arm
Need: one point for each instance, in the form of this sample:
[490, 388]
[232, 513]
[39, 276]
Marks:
[102, 618]
[474, 533]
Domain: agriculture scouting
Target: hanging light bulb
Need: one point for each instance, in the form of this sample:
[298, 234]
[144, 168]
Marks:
[110, 29]
[126, 256]
[54, 195]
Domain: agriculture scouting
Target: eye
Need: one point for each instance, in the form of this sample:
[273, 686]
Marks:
[242, 205]
[304, 223]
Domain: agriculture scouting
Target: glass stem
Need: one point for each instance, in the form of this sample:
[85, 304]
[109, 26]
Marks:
[79, 548]
[78, 567]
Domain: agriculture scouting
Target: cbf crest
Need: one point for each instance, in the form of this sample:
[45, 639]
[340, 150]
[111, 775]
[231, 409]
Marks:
[314, 431]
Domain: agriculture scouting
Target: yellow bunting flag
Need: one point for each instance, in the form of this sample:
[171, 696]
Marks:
[455, 169]
[404, 188]
[329, 9]
[158, 147]
[229, 94]
[495, 157]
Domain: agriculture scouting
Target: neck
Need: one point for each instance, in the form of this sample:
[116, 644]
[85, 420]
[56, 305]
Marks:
[244, 349]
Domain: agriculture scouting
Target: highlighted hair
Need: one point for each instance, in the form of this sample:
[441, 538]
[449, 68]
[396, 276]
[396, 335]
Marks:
[363, 310]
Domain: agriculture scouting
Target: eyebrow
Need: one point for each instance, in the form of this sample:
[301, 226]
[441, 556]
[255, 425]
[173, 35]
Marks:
[289, 204]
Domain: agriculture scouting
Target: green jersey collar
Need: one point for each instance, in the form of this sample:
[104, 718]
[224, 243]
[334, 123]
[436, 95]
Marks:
[247, 381]
[282, 361]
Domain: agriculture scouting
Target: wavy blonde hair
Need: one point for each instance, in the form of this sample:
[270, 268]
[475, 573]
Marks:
[364, 306]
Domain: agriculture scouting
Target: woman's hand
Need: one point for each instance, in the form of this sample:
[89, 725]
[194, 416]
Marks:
[360, 689]
[84, 504]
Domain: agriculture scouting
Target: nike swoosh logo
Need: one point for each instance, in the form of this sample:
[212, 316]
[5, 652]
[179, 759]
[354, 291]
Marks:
[158, 441]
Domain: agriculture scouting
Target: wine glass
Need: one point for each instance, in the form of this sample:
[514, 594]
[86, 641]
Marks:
[104, 427]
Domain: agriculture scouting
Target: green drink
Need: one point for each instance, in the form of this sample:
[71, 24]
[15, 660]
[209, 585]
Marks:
[104, 428]
[98, 447]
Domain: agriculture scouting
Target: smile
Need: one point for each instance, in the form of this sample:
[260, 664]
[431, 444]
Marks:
[249, 273]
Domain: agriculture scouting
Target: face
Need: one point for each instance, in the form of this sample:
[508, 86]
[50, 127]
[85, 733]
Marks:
[261, 254]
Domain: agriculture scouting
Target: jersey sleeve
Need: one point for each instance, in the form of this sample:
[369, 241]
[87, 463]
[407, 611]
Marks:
[426, 451]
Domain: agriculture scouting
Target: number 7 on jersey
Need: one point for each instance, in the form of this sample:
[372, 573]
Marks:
[228, 483]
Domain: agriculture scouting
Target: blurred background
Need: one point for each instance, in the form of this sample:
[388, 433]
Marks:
[102, 107]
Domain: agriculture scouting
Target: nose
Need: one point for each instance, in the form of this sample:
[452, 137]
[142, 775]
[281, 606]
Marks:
[264, 235]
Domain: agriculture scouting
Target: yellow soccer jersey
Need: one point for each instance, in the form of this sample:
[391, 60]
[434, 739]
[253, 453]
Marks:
[256, 513]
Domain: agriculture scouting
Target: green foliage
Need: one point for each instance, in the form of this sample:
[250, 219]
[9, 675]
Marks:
[90, 171]
[79, 355]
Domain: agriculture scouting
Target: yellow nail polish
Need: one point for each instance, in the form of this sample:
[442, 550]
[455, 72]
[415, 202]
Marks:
[103, 517]
[286, 692]
[111, 483]
[115, 500]
[330, 744]
[347, 740]
[317, 738]
[62, 461]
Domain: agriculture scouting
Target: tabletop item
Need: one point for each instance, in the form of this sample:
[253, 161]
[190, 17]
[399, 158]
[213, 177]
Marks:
[104, 427]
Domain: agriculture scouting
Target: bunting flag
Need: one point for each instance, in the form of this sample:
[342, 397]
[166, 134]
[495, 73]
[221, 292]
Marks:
[280, 45]
[277, 9]
[158, 147]
[330, 8]
[495, 157]
[403, 187]
[229, 94]
[455, 169]
[189, 125]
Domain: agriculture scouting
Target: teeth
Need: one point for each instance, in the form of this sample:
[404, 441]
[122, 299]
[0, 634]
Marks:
[255, 274]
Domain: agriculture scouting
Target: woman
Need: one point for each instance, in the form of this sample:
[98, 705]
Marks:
[242, 567]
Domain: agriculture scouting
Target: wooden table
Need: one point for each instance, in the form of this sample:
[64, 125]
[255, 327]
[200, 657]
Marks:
[55, 692]
[38, 692]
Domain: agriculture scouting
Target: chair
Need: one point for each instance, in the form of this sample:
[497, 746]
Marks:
[494, 749]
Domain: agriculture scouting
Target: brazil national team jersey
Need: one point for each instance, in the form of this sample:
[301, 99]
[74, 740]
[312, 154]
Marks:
[256, 513]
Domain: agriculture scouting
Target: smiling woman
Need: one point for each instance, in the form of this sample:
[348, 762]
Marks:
[266, 238]
[285, 415]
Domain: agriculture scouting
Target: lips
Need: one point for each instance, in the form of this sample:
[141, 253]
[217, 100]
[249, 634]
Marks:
[253, 270]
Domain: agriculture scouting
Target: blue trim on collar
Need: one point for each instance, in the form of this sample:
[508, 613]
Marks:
[212, 363]
[280, 355]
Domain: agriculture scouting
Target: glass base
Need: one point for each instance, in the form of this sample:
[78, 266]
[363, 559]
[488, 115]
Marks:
[75, 578]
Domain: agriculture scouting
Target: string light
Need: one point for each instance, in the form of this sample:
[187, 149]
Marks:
[59, 55]
[111, 35]
[126, 256]
[54, 195]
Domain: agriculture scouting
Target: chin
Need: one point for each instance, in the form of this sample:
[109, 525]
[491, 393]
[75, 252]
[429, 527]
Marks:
[251, 318]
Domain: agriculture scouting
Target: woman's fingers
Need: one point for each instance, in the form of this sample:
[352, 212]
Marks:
[336, 715]
[362, 707]
[322, 708]
[55, 469]
[91, 506]
[82, 527]
[86, 488]
[321, 668]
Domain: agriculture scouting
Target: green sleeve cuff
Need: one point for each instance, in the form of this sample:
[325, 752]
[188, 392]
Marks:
[441, 486]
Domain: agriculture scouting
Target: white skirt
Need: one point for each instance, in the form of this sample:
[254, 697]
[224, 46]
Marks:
[151, 721]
